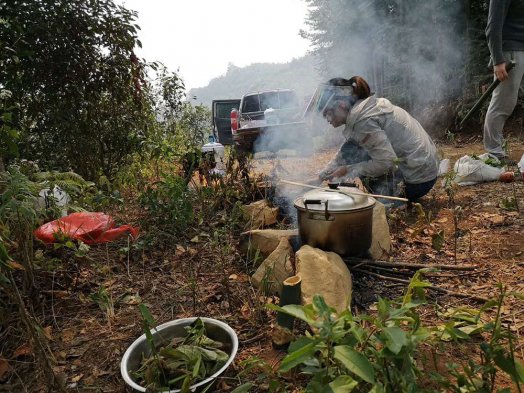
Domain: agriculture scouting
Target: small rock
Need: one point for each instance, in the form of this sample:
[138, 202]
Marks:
[380, 238]
[260, 214]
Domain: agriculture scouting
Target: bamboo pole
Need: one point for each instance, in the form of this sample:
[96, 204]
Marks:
[290, 295]
[345, 192]
[282, 333]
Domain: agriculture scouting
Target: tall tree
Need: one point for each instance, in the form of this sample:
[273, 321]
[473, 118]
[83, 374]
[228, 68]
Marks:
[73, 81]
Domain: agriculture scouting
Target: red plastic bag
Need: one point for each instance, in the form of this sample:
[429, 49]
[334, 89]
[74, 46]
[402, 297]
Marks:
[91, 228]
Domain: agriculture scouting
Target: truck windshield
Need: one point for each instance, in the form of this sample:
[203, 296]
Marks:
[251, 104]
[288, 99]
[269, 99]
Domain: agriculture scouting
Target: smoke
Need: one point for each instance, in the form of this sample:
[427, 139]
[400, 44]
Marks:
[410, 52]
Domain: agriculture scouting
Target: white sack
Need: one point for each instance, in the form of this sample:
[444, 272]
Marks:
[469, 170]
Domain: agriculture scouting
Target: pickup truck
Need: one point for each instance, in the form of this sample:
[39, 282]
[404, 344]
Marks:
[265, 120]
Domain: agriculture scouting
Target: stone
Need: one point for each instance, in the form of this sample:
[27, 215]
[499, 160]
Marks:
[281, 337]
[276, 268]
[264, 240]
[380, 239]
[260, 214]
[326, 274]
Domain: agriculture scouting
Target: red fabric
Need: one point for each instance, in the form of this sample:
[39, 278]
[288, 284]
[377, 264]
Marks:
[91, 228]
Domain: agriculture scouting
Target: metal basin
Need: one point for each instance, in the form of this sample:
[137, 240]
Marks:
[215, 329]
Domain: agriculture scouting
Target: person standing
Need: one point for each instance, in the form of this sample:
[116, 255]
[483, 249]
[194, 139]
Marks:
[505, 35]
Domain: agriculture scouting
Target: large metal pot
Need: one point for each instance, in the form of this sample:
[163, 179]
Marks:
[334, 221]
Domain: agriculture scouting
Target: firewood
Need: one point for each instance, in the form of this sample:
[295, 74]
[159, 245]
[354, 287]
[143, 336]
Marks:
[431, 287]
[360, 261]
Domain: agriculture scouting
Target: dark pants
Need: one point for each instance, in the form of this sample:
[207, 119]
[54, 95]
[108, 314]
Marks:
[416, 191]
[388, 184]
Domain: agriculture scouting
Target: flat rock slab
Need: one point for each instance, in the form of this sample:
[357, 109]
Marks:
[325, 274]
[264, 240]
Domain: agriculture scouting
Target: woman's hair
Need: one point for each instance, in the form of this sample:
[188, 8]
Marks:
[359, 85]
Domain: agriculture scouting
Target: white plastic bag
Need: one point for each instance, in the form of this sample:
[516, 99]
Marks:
[469, 170]
[58, 197]
[443, 167]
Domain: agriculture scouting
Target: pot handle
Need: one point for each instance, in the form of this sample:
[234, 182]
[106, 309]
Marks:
[317, 202]
[313, 202]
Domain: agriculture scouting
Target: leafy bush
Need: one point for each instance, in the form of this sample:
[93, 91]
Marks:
[381, 353]
[168, 204]
[77, 88]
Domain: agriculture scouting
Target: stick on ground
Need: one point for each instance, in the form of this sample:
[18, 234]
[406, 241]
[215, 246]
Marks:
[360, 261]
[431, 287]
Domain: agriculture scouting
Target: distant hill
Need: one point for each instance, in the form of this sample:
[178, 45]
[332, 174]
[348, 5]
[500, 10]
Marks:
[299, 74]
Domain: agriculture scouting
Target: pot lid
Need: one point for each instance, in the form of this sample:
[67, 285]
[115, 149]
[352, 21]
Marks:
[317, 199]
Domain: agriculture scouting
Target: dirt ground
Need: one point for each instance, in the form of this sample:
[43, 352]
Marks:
[193, 280]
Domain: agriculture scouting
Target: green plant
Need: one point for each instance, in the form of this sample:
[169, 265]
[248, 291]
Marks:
[378, 353]
[509, 203]
[497, 354]
[92, 114]
[105, 301]
[450, 136]
[19, 215]
[265, 375]
[450, 186]
[437, 240]
[367, 353]
[168, 204]
[9, 134]
[267, 281]
[9, 288]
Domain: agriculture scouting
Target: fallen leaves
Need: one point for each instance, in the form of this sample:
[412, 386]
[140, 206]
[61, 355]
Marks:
[23, 350]
[496, 219]
[77, 378]
[5, 368]
[68, 335]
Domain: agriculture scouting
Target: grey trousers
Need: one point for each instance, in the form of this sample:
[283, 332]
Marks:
[502, 104]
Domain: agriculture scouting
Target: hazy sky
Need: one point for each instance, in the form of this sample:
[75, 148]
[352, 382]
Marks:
[200, 37]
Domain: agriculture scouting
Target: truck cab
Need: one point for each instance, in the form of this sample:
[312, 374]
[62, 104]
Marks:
[282, 104]
[275, 113]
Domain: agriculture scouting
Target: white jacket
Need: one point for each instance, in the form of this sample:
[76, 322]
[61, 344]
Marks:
[392, 138]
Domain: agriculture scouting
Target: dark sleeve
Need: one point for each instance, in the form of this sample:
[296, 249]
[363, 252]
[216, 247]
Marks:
[498, 9]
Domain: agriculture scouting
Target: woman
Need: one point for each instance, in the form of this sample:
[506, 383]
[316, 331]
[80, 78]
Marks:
[382, 140]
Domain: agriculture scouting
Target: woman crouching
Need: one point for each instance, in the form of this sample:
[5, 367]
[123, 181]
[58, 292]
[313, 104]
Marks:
[384, 144]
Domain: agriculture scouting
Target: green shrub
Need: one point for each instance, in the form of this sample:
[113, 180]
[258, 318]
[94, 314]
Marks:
[168, 206]
[381, 353]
